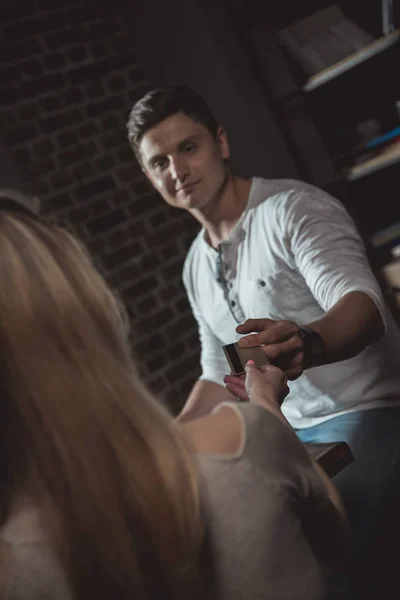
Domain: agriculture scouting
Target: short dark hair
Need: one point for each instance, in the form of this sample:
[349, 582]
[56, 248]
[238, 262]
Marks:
[161, 103]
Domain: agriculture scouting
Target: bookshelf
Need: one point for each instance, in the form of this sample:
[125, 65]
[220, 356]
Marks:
[331, 113]
[386, 158]
[352, 61]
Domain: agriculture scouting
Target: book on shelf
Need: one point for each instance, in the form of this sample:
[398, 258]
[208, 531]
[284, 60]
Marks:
[379, 159]
[322, 39]
[388, 238]
[391, 275]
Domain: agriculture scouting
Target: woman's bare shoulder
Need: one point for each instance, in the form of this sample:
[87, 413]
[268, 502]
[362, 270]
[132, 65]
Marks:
[221, 433]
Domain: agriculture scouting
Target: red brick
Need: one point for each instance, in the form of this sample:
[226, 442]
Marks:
[186, 386]
[60, 179]
[117, 238]
[106, 222]
[121, 197]
[98, 246]
[148, 304]
[177, 350]
[44, 147]
[180, 371]
[142, 286]
[174, 270]
[118, 258]
[88, 129]
[78, 215]
[137, 228]
[113, 140]
[125, 155]
[100, 205]
[182, 305]
[29, 111]
[168, 293]
[8, 95]
[170, 251]
[40, 188]
[184, 325]
[77, 54]
[144, 205]
[110, 122]
[20, 134]
[61, 121]
[102, 184]
[126, 174]
[22, 156]
[43, 85]
[149, 262]
[54, 61]
[52, 103]
[163, 235]
[9, 75]
[60, 200]
[100, 49]
[192, 340]
[157, 384]
[83, 171]
[77, 154]
[157, 362]
[19, 51]
[129, 274]
[104, 163]
[67, 138]
[72, 124]
[38, 168]
[158, 218]
[95, 89]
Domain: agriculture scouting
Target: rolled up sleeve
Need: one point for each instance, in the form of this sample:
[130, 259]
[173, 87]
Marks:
[328, 250]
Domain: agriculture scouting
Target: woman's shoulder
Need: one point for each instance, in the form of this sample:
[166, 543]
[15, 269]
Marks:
[28, 560]
[24, 524]
[221, 434]
[251, 434]
[234, 430]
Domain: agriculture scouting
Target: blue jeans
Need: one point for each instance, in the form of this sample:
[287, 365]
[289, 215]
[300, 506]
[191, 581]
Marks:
[369, 487]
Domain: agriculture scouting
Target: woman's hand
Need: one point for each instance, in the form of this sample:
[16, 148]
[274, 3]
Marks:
[265, 385]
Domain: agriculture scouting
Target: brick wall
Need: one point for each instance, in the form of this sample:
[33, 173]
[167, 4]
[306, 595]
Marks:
[68, 78]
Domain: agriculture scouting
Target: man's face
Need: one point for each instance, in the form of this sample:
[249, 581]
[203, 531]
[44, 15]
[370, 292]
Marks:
[184, 161]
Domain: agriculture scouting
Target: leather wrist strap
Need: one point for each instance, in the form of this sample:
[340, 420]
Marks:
[313, 347]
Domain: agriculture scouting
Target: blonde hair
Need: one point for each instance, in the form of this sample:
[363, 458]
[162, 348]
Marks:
[102, 456]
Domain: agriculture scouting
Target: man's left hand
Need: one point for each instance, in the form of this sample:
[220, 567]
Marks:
[281, 341]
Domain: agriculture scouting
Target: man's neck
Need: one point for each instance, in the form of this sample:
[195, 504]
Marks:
[221, 217]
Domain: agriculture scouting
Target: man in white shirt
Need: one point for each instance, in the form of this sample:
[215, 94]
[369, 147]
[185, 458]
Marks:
[283, 259]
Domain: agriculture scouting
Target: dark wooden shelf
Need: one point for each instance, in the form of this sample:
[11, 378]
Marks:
[352, 61]
[388, 157]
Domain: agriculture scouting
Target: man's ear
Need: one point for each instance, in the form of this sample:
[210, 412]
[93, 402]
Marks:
[223, 143]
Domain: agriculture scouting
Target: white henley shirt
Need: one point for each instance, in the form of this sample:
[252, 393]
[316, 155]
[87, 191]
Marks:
[294, 253]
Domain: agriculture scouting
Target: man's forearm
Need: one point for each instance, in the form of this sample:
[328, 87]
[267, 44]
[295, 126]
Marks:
[348, 327]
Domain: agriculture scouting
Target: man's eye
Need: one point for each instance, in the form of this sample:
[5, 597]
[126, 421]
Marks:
[159, 164]
[189, 148]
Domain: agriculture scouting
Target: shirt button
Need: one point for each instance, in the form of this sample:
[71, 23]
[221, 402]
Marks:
[233, 303]
[231, 284]
[262, 282]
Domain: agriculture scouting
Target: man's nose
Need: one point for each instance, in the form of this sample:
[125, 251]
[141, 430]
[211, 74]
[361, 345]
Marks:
[179, 169]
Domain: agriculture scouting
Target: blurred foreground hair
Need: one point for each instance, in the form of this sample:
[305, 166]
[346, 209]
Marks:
[81, 434]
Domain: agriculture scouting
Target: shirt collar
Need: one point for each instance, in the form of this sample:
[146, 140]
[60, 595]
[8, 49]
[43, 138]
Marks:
[239, 229]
